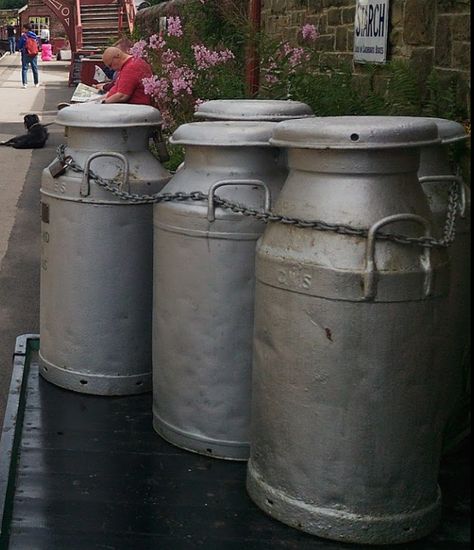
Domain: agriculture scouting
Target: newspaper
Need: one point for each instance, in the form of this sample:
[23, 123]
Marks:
[99, 75]
[84, 93]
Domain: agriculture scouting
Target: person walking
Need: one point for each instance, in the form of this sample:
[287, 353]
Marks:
[11, 35]
[28, 45]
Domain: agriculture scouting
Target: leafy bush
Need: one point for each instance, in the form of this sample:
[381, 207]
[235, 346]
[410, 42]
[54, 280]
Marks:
[12, 4]
[201, 56]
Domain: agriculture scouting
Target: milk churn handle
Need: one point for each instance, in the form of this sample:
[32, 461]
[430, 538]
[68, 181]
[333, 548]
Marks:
[85, 185]
[463, 188]
[370, 275]
[211, 211]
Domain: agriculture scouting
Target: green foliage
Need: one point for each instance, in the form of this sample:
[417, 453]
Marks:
[176, 153]
[403, 97]
[442, 102]
[188, 82]
[136, 34]
[335, 92]
[328, 94]
[442, 98]
[391, 90]
[155, 2]
[12, 4]
[176, 156]
[218, 23]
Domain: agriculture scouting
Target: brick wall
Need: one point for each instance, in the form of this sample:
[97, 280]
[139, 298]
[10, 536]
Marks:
[428, 33]
[36, 8]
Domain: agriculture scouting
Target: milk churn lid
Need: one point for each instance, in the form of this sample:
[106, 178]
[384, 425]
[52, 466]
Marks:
[253, 109]
[449, 131]
[224, 134]
[353, 132]
[108, 116]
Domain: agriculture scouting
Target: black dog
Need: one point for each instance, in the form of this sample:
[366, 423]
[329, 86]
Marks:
[35, 138]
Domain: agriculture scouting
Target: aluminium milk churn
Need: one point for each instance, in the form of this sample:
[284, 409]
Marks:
[253, 109]
[257, 110]
[204, 262]
[96, 264]
[437, 174]
[346, 416]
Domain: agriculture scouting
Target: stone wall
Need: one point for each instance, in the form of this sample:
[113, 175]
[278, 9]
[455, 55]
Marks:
[428, 33]
[148, 19]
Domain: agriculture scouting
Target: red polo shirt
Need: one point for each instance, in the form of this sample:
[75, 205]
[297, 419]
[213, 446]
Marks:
[129, 81]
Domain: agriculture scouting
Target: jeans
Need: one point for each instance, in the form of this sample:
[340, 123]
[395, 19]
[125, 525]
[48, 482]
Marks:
[12, 44]
[25, 61]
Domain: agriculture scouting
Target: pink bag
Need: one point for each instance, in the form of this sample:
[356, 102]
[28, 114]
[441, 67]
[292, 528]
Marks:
[46, 52]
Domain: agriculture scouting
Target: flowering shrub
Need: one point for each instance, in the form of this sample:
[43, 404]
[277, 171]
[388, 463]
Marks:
[187, 71]
[201, 57]
[282, 63]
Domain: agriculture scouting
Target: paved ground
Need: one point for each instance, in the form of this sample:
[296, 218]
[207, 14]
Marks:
[20, 178]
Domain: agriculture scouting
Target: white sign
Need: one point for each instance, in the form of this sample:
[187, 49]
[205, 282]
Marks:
[163, 24]
[371, 31]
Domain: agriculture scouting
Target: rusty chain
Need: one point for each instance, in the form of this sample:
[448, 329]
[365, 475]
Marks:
[449, 233]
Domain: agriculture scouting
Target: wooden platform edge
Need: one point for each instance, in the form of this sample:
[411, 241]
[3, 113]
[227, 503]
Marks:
[12, 429]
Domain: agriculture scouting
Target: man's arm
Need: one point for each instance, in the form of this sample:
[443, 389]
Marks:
[117, 97]
[128, 80]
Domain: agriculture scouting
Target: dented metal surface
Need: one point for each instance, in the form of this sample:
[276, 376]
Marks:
[204, 262]
[347, 395]
[96, 263]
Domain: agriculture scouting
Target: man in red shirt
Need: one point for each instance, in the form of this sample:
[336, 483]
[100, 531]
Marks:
[128, 87]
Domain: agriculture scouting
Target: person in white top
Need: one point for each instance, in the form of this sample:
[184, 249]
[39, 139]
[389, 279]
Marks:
[44, 34]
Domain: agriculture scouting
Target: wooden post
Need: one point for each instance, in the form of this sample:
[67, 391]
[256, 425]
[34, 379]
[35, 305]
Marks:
[253, 58]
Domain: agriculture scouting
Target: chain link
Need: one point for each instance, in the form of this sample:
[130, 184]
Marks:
[449, 233]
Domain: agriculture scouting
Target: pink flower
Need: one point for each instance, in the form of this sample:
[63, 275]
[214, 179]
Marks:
[157, 42]
[206, 58]
[272, 64]
[182, 80]
[297, 56]
[271, 79]
[287, 49]
[155, 87]
[198, 101]
[138, 49]
[309, 32]
[170, 57]
[294, 56]
[168, 120]
[175, 27]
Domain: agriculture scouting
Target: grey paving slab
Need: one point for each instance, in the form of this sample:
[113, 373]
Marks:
[20, 177]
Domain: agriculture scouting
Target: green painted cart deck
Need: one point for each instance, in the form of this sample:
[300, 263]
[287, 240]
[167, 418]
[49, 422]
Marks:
[85, 472]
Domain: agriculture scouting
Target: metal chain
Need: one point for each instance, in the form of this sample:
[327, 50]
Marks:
[449, 233]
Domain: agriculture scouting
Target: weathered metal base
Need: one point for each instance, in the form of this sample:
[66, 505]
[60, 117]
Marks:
[94, 384]
[339, 525]
[225, 450]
